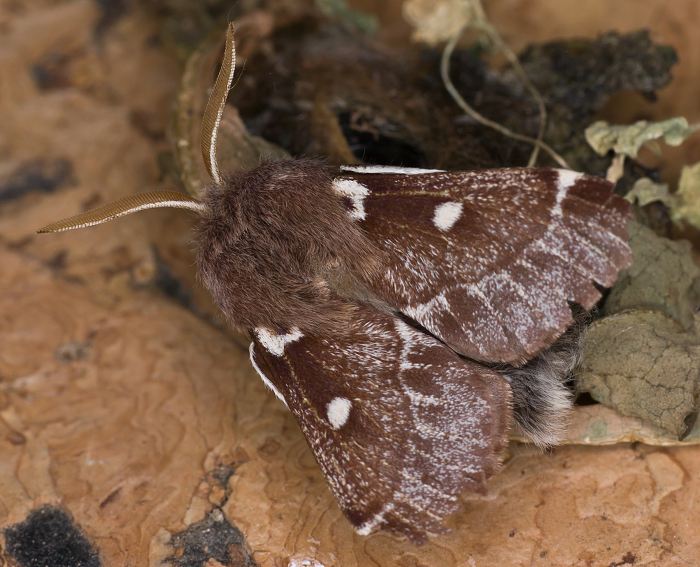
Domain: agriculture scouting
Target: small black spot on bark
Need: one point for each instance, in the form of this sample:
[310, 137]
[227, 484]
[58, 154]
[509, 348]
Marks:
[689, 423]
[49, 537]
[585, 399]
[110, 12]
[16, 438]
[628, 558]
[51, 71]
[73, 351]
[212, 538]
[57, 261]
[222, 473]
[169, 284]
[36, 176]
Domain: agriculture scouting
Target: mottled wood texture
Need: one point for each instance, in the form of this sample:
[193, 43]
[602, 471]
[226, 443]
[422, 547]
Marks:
[141, 418]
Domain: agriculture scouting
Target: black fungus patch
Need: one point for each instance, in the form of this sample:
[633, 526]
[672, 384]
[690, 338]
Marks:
[212, 538]
[49, 538]
[36, 176]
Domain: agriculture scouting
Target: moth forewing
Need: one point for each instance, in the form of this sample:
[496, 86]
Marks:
[489, 261]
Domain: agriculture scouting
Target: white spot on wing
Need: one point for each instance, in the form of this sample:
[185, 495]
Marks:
[356, 192]
[274, 343]
[447, 214]
[387, 169]
[565, 181]
[265, 379]
[338, 411]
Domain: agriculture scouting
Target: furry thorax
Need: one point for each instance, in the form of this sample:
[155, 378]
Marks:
[277, 249]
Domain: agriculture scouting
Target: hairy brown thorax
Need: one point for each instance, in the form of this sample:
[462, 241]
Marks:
[276, 247]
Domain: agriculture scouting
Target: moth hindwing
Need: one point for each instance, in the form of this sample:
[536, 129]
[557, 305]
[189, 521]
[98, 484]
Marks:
[399, 423]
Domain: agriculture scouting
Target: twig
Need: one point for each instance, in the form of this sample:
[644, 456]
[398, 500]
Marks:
[538, 143]
[483, 23]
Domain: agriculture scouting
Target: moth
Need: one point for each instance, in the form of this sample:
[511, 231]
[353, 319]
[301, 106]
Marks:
[404, 316]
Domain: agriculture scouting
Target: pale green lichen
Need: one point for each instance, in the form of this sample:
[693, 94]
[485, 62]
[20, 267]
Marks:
[629, 138]
[684, 204]
[646, 191]
[687, 208]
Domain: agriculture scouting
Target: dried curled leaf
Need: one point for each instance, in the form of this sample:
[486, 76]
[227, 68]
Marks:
[438, 21]
[662, 277]
[628, 139]
[597, 424]
[644, 365]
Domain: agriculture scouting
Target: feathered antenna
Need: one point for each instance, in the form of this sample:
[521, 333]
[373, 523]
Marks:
[215, 106]
[126, 206]
[162, 199]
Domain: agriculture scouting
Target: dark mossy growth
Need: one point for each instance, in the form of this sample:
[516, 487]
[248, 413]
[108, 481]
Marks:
[212, 538]
[49, 537]
[576, 77]
[315, 89]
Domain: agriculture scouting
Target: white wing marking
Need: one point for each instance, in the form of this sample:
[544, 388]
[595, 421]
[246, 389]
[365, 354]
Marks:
[274, 343]
[265, 379]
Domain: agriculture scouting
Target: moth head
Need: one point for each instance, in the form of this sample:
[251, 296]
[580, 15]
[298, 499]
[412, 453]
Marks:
[173, 199]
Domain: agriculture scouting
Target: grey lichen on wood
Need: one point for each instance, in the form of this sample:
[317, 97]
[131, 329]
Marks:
[663, 276]
[645, 365]
[643, 358]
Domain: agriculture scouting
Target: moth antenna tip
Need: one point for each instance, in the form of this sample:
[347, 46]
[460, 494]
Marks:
[127, 206]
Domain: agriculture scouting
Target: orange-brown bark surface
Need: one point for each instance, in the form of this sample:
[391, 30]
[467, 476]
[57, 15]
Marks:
[121, 401]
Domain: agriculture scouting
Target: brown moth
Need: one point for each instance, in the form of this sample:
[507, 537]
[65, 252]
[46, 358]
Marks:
[403, 316]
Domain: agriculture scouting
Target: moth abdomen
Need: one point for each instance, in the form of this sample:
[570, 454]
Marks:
[276, 246]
